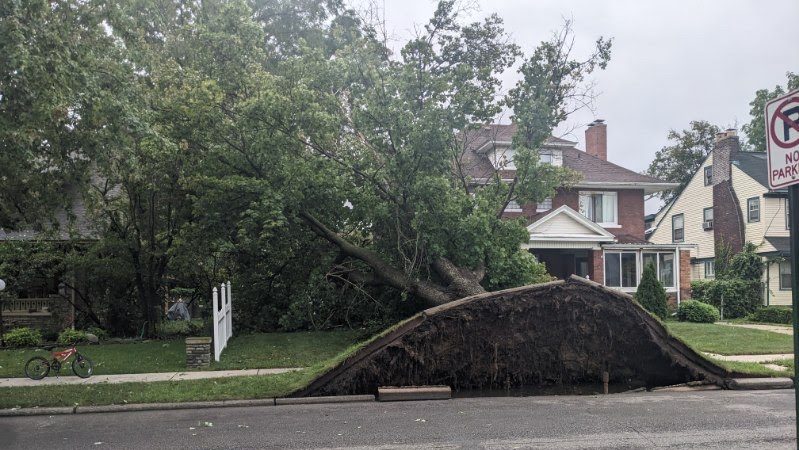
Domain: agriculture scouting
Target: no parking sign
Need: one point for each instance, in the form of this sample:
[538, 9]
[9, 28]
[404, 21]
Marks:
[782, 145]
[782, 140]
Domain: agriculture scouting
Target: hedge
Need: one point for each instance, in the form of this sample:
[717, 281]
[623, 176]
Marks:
[741, 297]
[23, 337]
[772, 314]
[695, 311]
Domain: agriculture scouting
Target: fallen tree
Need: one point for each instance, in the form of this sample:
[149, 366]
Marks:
[558, 333]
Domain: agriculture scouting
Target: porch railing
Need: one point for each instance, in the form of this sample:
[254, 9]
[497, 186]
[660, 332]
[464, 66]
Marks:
[29, 305]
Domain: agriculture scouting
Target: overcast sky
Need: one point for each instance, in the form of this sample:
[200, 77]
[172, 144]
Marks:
[672, 62]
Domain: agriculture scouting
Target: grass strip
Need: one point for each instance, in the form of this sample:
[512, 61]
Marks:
[727, 340]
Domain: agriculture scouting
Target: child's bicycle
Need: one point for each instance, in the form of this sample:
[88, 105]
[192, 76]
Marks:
[38, 367]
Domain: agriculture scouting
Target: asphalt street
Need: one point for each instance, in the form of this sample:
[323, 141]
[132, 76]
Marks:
[708, 419]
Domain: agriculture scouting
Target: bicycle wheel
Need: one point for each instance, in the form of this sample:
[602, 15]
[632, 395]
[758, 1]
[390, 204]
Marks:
[82, 366]
[37, 368]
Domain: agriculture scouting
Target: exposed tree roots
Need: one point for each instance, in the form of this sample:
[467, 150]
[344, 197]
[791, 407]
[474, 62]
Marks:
[559, 333]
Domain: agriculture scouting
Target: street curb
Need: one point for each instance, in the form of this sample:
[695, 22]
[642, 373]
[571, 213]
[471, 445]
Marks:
[65, 410]
[750, 384]
[324, 400]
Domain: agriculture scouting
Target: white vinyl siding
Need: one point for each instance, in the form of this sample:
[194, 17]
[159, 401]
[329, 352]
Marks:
[563, 225]
[772, 211]
[774, 295]
[691, 204]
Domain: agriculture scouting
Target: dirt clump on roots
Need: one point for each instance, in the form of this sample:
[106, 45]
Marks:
[560, 333]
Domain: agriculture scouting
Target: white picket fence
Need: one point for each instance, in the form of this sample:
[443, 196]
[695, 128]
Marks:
[223, 317]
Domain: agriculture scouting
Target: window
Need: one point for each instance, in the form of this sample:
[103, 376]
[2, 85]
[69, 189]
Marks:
[599, 207]
[664, 266]
[707, 219]
[503, 159]
[785, 276]
[545, 205]
[787, 214]
[710, 269]
[545, 157]
[621, 270]
[753, 208]
[513, 206]
[708, 175]
[677, 228]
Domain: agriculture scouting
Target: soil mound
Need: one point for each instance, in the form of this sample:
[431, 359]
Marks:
[559, 333]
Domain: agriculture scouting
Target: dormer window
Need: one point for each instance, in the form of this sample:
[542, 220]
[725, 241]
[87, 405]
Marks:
[545, 157]
[503, 159]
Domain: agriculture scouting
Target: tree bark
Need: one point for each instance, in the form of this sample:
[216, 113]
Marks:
[460, 282]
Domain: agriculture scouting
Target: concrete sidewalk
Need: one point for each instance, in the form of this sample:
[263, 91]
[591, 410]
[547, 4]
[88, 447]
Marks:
[782, 329]
[141, 377]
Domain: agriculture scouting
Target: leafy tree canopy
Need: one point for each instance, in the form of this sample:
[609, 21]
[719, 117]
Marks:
[281, 142]
[679, 161]
[755, 129]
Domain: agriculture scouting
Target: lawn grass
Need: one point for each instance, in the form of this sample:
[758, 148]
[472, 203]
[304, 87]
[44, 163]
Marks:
[230, 388]
[318, 351]
[254, 351]
[729, 340]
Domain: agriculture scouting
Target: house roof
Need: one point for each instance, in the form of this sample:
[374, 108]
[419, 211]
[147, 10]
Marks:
[594, 171]
[74, 224]
[500, 133]
[753, 164]
[781, 243]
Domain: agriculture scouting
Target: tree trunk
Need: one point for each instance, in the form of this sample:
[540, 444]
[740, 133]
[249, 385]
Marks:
[460, 282]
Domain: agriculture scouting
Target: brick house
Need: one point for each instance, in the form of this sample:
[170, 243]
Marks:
[46, 303]
[728, 201]
[593, 229]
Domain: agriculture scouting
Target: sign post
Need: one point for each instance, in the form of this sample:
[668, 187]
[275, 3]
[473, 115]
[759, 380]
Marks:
[782, 146]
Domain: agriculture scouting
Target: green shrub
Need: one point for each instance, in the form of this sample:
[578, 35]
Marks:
[772, 314]
[695, 311]
[181, 328]
[99, 332]
[23, 337]
[740, 297]
[650, 293]
[71, 337]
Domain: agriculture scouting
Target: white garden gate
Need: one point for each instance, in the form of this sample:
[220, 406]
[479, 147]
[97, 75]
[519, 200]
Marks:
[223, 317]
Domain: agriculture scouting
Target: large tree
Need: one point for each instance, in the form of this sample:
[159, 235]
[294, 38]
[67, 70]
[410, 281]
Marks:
[222, 141]
[678, 161]
[755, 129]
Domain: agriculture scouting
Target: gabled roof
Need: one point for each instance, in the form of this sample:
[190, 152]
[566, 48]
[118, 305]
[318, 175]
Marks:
[595, 172]
[566, 224]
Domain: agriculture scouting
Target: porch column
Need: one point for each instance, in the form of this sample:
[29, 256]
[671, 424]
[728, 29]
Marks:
[685, 274]
[596, 266]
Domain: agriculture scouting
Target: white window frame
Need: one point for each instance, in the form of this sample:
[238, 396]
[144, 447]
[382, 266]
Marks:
[657, 266]
[513, 206]
[544, 205]
[637, 276]
[503, 159]
[614, 194]
[710, 264]
[546, 157]
[780, 274]
[708, 175]
[673, 229]
[749, 203]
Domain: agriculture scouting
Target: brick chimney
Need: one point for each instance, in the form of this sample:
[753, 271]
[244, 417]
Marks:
[596, 139]
[724, 152]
